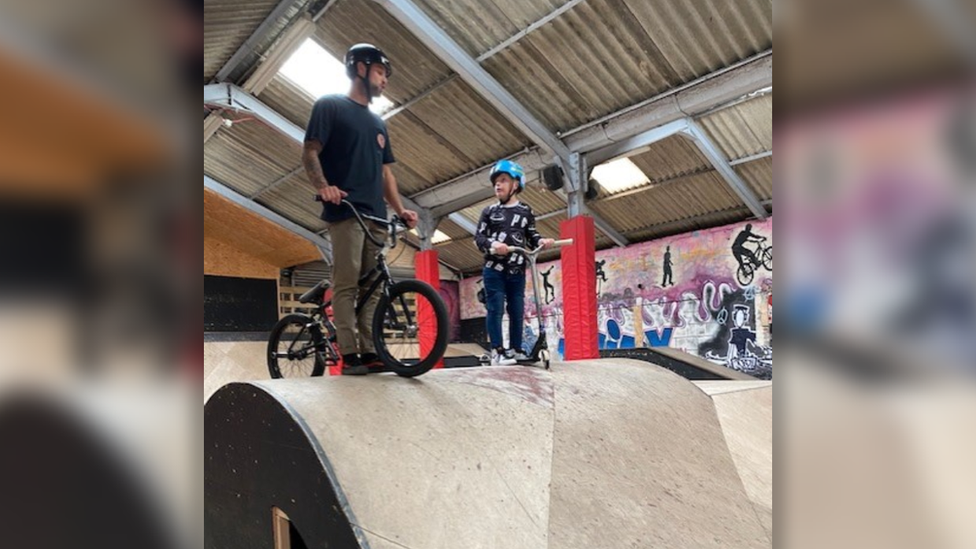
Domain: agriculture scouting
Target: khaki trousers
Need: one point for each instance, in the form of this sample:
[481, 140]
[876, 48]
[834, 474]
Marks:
[353, 255]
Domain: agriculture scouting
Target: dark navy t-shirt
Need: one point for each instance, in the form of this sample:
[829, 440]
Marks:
[355, 145]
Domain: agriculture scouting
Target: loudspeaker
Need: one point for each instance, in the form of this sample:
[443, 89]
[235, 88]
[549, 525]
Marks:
[592, 189]
[553, 177]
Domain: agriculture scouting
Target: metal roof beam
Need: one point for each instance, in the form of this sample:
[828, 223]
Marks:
[324, 244]
[464, 222]
[233, 97]
[691, 99]
[628, 146]
[751, 158]
[458, 194]
[715, 156]
[432, 36]
[487, 55]
[617, 129]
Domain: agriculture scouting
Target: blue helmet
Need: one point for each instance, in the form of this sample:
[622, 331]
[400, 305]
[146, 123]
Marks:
[512, 169]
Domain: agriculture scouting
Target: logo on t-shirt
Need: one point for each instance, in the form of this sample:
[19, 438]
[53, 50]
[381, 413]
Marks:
[381, 140]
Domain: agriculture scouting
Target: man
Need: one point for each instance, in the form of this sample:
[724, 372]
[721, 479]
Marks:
[739, 249]
[668, 275]
[347, 155]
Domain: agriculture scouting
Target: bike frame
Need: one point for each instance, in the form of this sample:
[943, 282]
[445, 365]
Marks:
[381, 271]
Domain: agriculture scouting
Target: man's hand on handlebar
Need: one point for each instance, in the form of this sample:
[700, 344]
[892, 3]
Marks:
[330, 193]
[409, 217]
[545, 243]
[499, 248]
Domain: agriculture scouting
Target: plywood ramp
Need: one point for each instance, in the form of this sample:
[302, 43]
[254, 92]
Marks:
[604, 453]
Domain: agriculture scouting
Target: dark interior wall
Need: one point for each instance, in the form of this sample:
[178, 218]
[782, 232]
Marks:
[473, 330]
[232, 304]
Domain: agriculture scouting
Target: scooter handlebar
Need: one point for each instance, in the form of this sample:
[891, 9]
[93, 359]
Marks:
[555, 244]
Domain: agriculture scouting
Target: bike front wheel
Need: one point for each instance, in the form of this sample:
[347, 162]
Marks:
[767, 258]
[410, 328]
[296, 348]
[745, 274]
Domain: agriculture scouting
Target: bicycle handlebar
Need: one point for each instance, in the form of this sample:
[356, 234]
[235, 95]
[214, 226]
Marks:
[394, 225]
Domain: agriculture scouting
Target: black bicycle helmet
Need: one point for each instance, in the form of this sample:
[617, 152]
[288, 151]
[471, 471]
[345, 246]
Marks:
[368, 54]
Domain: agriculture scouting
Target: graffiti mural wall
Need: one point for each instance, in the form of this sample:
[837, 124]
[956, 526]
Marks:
[708, 293]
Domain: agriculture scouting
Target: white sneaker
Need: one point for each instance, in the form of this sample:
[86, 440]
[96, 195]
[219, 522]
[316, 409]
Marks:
[501, 359]
[522, 357]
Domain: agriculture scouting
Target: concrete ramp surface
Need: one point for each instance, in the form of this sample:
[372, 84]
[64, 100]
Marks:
[592, 454]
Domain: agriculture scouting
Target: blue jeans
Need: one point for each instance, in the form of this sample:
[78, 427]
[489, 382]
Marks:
[499, 289]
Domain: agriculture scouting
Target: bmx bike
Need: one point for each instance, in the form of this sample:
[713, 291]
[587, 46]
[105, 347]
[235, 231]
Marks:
[748, 267]
[410, 324]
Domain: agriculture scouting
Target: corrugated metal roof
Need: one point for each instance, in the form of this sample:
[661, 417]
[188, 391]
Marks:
[603, 55]
[462, 254]
[597, 57]
[228, 24]
[534, 82]
[249, 156]
[453, 230]
[461, 117]
[479, 25]
[759, 175]
[237, 164]
[541, 199]
[288, 100]
[415, 68]
[682, 198]
[697, 37]
[427, 154]
[743, 129]
[473, 213]
[669, 158]
[295, 199]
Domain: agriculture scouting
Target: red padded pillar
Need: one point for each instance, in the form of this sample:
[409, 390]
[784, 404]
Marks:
[428, 270]
[579, 289]
[335, 369]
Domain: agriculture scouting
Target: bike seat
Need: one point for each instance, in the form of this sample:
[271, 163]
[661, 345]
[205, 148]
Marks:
[316, 294]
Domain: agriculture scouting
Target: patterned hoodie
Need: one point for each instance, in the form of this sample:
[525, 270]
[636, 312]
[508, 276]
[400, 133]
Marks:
[513, 225]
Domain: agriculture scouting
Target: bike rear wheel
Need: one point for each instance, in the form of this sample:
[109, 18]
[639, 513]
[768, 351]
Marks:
[410, 328]
[296, 348]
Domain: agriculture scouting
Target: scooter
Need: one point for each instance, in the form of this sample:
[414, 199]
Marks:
[540, 351]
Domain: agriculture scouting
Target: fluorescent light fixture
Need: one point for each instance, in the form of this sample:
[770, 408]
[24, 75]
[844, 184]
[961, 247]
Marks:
[619, 175]
[315, 71]
[439, 236]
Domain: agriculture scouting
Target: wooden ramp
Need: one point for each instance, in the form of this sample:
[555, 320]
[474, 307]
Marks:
[603, 453]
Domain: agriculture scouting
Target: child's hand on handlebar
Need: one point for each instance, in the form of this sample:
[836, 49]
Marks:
[546, 243]
[499, 248]
[409, 217]
[333, 194]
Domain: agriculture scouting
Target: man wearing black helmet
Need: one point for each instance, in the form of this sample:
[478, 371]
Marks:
[347, 155]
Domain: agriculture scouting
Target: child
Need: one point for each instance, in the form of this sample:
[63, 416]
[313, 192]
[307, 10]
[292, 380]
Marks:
[508, 223]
